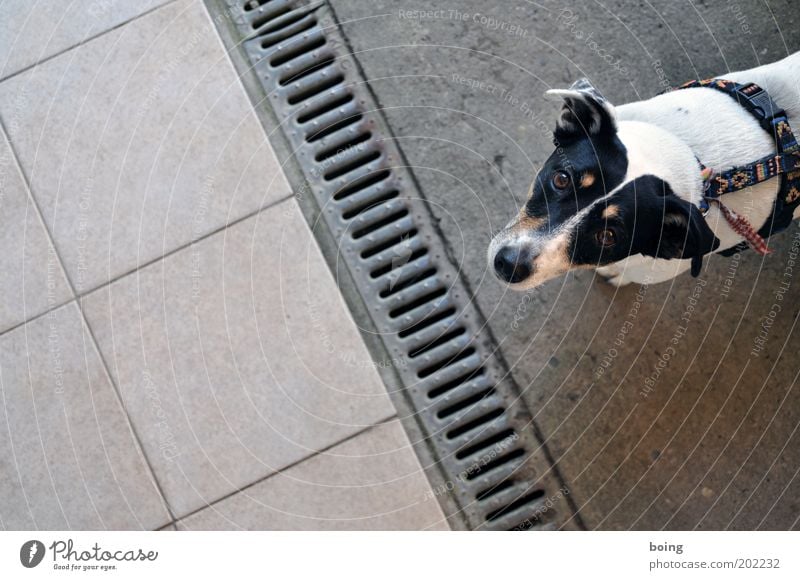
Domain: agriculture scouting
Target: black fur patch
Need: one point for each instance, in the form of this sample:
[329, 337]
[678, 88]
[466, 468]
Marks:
[649, 219]
[584, 114]
[604, 155]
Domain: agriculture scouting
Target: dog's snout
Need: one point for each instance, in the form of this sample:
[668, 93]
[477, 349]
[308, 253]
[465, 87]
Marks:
[512, 264]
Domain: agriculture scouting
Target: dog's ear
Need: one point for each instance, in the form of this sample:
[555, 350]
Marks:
[585, 112]
[683, 231]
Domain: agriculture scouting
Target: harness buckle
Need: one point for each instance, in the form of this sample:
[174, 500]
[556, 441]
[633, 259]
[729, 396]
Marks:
[760, 104]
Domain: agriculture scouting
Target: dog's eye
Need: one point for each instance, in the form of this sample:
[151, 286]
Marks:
[605, 238]
[561, 180]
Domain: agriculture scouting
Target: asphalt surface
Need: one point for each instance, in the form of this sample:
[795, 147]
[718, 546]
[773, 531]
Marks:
[674, 406]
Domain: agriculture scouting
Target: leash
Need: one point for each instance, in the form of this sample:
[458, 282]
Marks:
[784, 164]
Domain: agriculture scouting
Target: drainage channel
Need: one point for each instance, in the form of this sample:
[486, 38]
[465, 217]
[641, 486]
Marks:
[493, 471]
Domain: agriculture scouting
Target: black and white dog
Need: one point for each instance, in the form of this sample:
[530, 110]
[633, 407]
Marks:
[621, 192]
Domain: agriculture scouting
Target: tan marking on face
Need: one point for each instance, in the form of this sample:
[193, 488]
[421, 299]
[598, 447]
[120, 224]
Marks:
[526, 223]
[588, 179]
[553, 260]
[610, 212]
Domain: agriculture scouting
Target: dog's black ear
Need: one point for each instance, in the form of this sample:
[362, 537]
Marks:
[585, 112]
[685, 233]
[670, 227]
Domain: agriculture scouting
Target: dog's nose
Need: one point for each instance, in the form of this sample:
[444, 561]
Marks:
[512, 264]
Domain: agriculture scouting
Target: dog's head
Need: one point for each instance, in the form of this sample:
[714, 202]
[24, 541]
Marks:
[609, 191]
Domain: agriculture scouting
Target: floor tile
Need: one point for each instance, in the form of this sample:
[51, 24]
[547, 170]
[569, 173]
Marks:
[68, 459]
[138, 142]
[33, 31]
[371, 482]
[236, 357]
[32, 280]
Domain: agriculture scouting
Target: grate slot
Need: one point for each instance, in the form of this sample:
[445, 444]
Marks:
[506, 470]
[267, 16]
[496, 463]
[370, 203]
[298, 49]
[461, 353]
[455, 346]
[426, 322]
[528, 522]
[362, 183]
[312, 67]
[494, 490]
[468, 450]
[339, 148]
[376, 214]
[444, 338]
[393, 241]
[333, 127]
[421, 301]
[430, 334]
[253, 4]
[285, 27]
[323, 108]
[388, 220]
[383, 270]
[400, 284]
[466, 403]
[300, 67]
[450, 385]
[515, 505]
[359, 161]
[428, 371]
[475, 423]
[315, 89]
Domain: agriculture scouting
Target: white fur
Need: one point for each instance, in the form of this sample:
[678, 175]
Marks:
[719, 132]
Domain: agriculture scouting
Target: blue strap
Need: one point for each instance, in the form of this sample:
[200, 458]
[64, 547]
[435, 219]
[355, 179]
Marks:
[785, 162]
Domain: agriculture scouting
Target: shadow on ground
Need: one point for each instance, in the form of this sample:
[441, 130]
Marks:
[669, 406]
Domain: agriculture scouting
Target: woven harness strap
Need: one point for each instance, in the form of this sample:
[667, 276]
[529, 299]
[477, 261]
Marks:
[785, 162]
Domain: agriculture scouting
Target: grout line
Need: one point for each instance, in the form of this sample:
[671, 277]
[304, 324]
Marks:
[188, 244]
[170, 527]
[116, 387]
[37, 316]
[85, 41]
[85, 322]
[32, 200]
[312, 455]
[78, 300]
[131, 426]
[79, 297]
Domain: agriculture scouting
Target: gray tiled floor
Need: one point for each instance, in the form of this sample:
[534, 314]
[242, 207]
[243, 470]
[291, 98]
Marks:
[371, 482]
[31, 31]
[242, 343]
[206, 324]
[32, 279]
[138, 142]
[68, 458]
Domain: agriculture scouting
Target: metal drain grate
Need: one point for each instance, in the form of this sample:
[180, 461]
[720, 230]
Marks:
[494, 465]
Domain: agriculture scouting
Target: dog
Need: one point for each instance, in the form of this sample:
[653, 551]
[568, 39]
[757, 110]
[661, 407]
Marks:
[622, 192]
